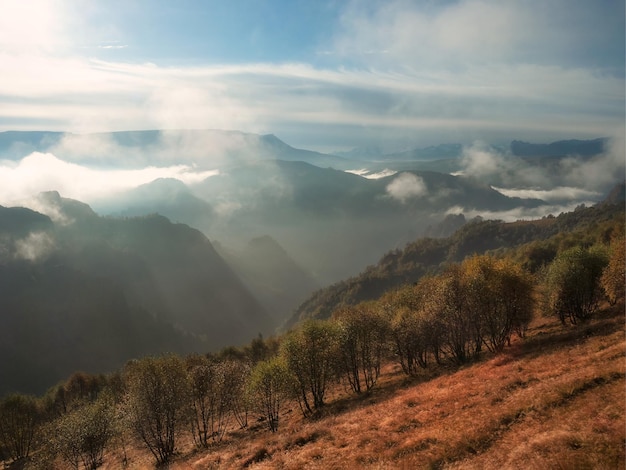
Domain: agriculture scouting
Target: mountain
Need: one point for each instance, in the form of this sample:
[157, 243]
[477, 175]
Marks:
[207, 148]
[583, 148]
[18, 144]
[165, 196]
[335, 223]
[437, 152]
[272, 276]
[428, 255]
[83, 292]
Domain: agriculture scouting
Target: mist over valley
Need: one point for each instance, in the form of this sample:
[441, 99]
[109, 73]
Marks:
[215, 237]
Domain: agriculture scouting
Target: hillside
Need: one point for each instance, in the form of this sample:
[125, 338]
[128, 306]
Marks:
[82, 292]
[429, 255]
[553, 400]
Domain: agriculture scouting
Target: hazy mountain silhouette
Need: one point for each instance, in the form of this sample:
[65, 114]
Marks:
[89, 292]
[272, 276]
[585, 148]
[331, 223]
[428, 255]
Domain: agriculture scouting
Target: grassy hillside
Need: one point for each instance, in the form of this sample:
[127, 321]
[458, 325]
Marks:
[553, 400]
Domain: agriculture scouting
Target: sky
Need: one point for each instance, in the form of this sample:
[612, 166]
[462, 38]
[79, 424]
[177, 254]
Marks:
[323, 74]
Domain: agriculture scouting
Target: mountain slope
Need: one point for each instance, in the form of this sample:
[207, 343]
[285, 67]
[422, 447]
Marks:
[88, 292]
[428, 255]
[272, 276]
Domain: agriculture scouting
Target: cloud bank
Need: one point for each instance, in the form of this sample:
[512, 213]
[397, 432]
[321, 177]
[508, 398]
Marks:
[39, 172]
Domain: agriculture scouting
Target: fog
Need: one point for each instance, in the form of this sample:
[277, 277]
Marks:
[38, 172]
[231, 186]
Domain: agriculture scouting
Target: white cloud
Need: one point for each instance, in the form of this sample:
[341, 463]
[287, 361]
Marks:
[406, 186]
[44, 172]
[481, 161]
[559, 194]
[365, 173]
[519, 213]
[35, 26]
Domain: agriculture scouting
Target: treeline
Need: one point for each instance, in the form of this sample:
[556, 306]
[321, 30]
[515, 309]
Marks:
[451, 318]
[584, 226]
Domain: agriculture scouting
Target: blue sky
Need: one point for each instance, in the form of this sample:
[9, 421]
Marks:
[318, 74]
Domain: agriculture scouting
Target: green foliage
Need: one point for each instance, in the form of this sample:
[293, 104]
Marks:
[573, 283]
[499, 294]
[363, 333]
[271, 384]
[310, 353]
[157, 402]
[460, 329]
[82, 434]
[533, 244]
[19, 419]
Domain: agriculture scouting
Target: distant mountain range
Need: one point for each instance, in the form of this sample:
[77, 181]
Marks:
[205, 148]
[332, 223]
[583, 148]
[519, 148]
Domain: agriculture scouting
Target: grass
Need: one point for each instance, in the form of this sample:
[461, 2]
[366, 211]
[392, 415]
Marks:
[555, 399]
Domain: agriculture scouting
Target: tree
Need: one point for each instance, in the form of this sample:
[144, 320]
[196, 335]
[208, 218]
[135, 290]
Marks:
[613, 280]
[157, 402]
[363, 335]
[573, 283]
[236, 376]
[82, 434]
[210, 395]
[19, 418]
[310, 353]
[271, 384]
[460, 328]
[499, 293]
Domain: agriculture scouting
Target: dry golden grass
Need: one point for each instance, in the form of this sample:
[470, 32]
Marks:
[553, 400]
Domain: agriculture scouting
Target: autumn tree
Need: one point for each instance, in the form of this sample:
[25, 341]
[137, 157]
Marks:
[19, 418]
[573, 283]
[271, 385]
[460, 329]
[157, 402]
[310, 353]
[363, 333]
[499, 293]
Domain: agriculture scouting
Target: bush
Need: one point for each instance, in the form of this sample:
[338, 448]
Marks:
[573, 283]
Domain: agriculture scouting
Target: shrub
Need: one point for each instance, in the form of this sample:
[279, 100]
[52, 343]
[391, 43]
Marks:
[573, 283]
